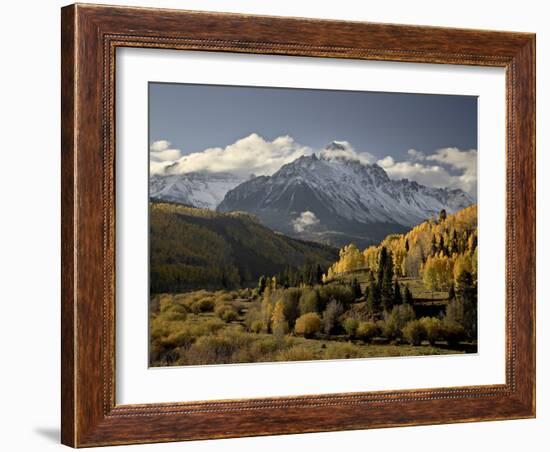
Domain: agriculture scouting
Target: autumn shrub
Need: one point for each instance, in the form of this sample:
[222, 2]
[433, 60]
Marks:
[217, 348]
[367, 331]
[453, 332]
[226, 313]
[330, 315]
[394, 322]
[291, 302]
[338, 292]
[342, 350]
[309, 301]
[350, 325]
[434, 329]
[253, 315]
[175, 314]
[414, 332]
[203, 305]
[296, 353]
[256, 326]
[308, 325]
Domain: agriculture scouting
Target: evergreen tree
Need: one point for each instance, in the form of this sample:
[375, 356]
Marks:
[407, 245]
[397, 298]
[373, 298]
[319, 275]
[261, 284]
[407, 296]
[442, 215]
[382, 265]
[434, 246]
[442, 247]
[454, 243]
[356, 289]
[386, 286]
[452, 294]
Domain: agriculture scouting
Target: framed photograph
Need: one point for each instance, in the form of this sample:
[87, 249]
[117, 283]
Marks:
[281, 225]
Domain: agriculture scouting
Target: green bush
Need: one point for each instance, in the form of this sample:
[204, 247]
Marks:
[291, 303]
[308, 324]
[395, 321]
[338, 292]
[309, 301]
[350, 326]
[330, 315]
[434, 329]
[367, 331]
[453, 332]
[414, 332]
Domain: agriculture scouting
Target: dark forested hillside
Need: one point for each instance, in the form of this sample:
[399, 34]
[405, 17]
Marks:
[194, 248]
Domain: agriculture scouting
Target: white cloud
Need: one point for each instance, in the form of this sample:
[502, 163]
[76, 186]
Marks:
[160, 145]
[344, 150]
[160, 151]
[304, 221]
[416, 155]
[252, 154]
[451, 168]
[387, 162]
[447, 167]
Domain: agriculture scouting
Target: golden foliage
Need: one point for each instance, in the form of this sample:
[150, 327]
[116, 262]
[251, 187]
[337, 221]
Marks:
[433, 249]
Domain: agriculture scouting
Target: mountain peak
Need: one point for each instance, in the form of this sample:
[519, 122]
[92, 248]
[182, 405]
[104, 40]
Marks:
[337, 146]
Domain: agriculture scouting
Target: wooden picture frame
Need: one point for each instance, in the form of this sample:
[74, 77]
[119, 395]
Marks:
[90, 36]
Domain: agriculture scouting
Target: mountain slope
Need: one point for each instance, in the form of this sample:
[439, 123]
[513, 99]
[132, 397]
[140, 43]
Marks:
[339, 200]
[194, 248]
[204, 190]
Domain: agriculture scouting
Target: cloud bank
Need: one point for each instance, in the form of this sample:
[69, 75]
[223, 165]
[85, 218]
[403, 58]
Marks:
[250, 155]
[447, 167]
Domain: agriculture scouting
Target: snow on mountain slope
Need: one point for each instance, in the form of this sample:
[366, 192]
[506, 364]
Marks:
[343, 198]
[205, 190]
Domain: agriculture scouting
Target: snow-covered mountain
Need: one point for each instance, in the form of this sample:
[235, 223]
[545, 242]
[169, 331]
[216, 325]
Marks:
[338, 199]
[205, 190]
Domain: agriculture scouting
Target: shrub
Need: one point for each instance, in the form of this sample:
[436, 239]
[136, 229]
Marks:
[202, 305]
[296, 353]
[257, 326]
[226, 313]
[309, 301]
[367, 331]
[308, 324]
[414, 332]
[338, 292]
[175, 315]
[253, 314]
[350, 326]
[342, 350]
[396, 320]
[434, 329]
[330, 316]
[453, 332]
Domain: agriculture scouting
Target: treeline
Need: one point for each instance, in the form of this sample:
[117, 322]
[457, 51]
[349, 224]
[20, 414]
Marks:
[442, 251]
[323, 311]
[194, 248]
[432, 248]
